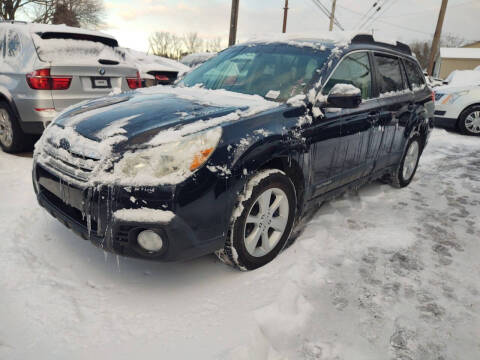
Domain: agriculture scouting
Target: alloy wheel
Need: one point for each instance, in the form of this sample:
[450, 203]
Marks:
[472, 122]
[266, 222]
[410, 161]
[6, 131]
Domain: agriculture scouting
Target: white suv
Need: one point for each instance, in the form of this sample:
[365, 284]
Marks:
[457, 105]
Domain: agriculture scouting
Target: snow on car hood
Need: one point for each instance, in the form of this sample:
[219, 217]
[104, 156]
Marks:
[142, 116]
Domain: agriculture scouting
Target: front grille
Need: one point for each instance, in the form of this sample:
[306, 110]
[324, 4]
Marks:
[438, 96]
[70, 211]
[75, 166]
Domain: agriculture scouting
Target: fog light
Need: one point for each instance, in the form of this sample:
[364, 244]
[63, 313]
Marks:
[149, 240]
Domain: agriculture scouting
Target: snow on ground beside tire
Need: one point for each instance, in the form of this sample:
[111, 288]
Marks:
[378, 274]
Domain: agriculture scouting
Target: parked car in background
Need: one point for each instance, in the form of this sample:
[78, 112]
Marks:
[237, 152]
[46, 68]
[155, 70]
[457, 105]
[196, 59]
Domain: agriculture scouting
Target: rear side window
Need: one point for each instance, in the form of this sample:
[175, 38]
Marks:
[414, 74]
[389, 74]
[353, 70]
[14, 45]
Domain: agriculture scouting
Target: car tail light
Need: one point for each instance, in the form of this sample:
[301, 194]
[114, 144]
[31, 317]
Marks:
[433, 96]
[42, 80]
[135, 83]
[162, 78]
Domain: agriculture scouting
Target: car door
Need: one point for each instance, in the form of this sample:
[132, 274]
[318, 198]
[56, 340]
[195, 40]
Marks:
[340, 159]
[395, 109]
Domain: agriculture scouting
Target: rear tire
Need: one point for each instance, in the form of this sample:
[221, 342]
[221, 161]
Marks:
[407, 167]
[12, 137]
[469, 121]
[262, 221]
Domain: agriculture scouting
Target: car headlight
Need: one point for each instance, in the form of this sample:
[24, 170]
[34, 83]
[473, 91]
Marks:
[451, 98]
[176, 160]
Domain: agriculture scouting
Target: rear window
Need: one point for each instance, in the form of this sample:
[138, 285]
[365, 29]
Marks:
[70, 47]
[414, 74]
[390, 74]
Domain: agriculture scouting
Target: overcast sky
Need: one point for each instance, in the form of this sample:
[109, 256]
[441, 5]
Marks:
[131, 21]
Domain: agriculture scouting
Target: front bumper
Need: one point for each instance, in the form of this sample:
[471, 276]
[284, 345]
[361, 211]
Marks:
[197, 228]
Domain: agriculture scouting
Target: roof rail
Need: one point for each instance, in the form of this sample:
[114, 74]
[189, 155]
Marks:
[369, 39]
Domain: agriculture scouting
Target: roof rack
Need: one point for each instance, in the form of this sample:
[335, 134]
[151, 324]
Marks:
[369, 39]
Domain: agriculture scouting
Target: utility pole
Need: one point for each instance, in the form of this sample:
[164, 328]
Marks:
[332, 14]
[233, 23]
[436, 37]
[285, 15]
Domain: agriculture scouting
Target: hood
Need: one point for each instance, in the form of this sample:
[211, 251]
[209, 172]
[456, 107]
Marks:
[140, 115]
[137, 115]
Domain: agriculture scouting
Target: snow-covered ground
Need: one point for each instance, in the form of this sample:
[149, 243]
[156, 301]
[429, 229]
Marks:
[378, 274]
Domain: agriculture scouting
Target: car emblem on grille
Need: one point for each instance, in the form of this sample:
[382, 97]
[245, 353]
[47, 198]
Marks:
[101, 71]
[64, 144]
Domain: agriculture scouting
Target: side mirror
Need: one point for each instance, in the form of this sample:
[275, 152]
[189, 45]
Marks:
[344, 101]
[344, 96]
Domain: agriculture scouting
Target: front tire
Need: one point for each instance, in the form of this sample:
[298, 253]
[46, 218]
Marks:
[407, 168]
[12, 138]
[469, 121]
[262, 221]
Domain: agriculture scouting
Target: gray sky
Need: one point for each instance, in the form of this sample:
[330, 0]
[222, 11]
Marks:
[132, 21]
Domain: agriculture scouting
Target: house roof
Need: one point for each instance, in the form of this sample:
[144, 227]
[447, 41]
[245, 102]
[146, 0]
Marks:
[460, 53]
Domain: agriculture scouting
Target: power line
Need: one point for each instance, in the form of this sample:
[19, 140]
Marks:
[364, 16]
[326, 12]
[375, 13]
[386, 22]
[386, 7]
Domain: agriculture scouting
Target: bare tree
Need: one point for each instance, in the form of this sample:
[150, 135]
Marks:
[214, 45]
[9, 8]
[160, 43]
[422, 49]
[192, 42]
[87, 13]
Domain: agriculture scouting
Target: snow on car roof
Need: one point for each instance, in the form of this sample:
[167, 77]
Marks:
[147, 62]
[460, 53]
[338, 38]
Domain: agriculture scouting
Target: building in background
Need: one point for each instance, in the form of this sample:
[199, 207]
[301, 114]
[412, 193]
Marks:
[462, 58]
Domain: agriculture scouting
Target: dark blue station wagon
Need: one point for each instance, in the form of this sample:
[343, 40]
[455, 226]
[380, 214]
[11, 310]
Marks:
[232, 157]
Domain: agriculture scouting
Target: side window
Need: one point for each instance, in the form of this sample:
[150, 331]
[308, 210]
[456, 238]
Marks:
[414, 75]
[354, 70]
[390, 74]
[14, 46]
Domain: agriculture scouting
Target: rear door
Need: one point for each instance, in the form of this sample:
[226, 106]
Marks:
[395, 100]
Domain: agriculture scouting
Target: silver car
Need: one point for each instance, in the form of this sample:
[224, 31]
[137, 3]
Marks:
[46, 68]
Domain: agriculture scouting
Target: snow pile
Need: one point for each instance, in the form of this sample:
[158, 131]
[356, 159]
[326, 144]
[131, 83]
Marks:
[377, 274]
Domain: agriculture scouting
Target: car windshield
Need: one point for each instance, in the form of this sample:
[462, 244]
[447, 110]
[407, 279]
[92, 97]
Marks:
[276, 71]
